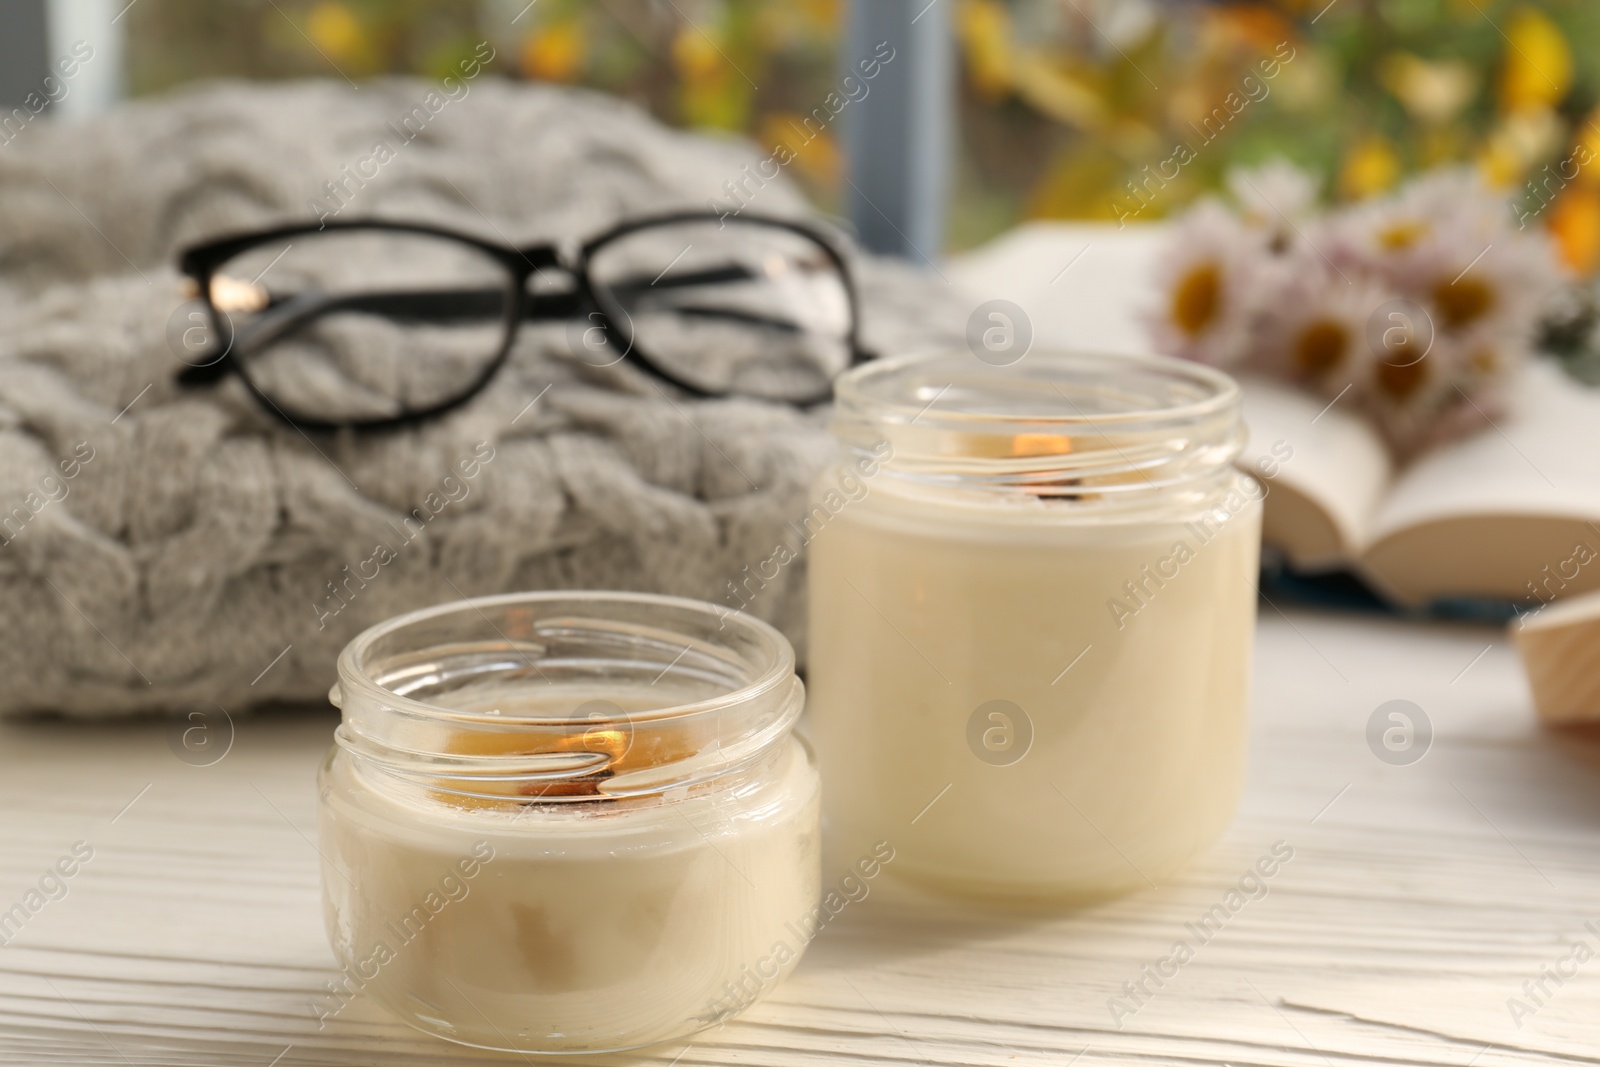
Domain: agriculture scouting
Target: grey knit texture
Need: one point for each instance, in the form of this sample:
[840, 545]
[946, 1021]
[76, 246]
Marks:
[166, 546]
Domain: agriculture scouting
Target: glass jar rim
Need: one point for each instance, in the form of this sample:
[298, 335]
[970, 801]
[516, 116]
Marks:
[739, 672]
[354, 671]
[855, 388]
[1078, 425]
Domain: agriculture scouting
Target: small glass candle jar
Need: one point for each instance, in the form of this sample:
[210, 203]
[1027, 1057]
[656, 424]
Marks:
[567, 822]
[1032, 597]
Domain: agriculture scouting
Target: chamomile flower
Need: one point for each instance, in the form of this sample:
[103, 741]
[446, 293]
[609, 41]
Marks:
[1276, 198]
[1318, 332]
[1211, 288]
[1449, 240]
[1422, 305]
[1410, 401]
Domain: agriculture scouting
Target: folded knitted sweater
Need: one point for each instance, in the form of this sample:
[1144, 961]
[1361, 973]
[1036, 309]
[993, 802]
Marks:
[161, 547]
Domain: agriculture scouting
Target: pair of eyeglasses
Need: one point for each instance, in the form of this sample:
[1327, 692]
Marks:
[373, 325]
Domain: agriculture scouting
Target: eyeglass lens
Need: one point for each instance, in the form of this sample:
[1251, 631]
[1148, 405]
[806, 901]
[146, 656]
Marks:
[739, 307]
[352, 325]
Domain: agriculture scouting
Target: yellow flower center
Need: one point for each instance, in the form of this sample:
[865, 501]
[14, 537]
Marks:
[1321, 347]
[1402, 235]
[1196, 298]
[1462, 301]
[1400, 382]
[1401, 347]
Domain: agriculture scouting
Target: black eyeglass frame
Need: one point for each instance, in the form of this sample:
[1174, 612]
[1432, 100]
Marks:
[199, 263]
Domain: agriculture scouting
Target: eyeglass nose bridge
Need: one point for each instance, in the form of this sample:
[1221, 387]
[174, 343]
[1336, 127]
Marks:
[570, 255]
[534, 260]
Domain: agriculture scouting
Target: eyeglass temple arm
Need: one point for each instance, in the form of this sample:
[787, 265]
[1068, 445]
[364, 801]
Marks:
[279, 318]
[447, 305]
[633, 285]
[285, 316]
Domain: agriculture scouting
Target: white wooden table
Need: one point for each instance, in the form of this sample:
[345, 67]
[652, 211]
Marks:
[1419, 899]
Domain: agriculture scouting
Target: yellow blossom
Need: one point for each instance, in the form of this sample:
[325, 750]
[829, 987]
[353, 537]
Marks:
[1432, 91]
[1054, 91]
[815, 151]
[1250, 24]
[780, 26]
[1586, 148]
[1500, 165]
[554, 52]
[695, 56]
[1575, 226]
[1517, 141]
[824, 13]
[985, 30]
[1369, 168]
[1538, 63]
[711, 92]
[723, 104]
[335, 29]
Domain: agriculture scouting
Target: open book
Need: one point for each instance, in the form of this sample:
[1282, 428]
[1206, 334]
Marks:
[1512, 513]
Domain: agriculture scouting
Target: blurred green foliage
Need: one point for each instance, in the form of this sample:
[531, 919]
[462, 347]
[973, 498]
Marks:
[176, 41]
[1063, 103]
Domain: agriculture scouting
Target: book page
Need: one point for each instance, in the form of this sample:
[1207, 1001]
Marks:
[1511, 513]
[1325, 469]
[1082, 285]
[1543, 459]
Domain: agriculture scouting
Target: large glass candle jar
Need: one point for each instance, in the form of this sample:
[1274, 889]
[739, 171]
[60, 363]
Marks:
[567, 822]
[1032, 595]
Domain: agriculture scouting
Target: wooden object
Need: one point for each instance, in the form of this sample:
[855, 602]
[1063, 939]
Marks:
[1560, 647]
